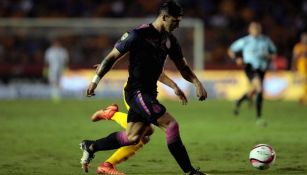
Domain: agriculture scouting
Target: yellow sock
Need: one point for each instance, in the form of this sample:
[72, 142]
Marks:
[124, 153]
[120, 118]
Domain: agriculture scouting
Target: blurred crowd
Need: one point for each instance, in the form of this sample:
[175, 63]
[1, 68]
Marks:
[225, 21]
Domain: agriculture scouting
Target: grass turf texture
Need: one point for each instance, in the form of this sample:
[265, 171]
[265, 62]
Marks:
[40, 137]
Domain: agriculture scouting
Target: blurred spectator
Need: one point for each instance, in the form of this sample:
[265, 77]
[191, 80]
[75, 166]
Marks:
[279, 63]
[300, 63]
[225, 20]
[56, 58]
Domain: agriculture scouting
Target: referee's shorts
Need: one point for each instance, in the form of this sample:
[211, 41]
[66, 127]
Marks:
[252, 73]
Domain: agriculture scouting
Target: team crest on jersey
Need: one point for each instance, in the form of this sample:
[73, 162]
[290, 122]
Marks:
[168, 43]
[125, 35]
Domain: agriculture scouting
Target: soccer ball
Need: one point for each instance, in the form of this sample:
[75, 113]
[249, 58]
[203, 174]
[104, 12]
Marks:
[262, 156]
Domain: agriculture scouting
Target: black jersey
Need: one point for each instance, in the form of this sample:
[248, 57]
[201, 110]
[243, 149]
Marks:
[148, 51]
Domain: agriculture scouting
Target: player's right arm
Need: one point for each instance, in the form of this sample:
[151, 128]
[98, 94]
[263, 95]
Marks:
[170, 83]
[235, 47]
[105, 66]
[122, 47]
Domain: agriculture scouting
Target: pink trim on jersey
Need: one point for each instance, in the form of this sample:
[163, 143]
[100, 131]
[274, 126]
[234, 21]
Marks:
[142, 26]
[142, 103]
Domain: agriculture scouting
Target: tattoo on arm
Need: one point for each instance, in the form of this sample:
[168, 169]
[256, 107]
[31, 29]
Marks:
[105, 66]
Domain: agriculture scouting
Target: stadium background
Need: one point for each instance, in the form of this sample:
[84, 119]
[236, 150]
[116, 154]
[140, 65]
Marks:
[41, 137]
[22, 50]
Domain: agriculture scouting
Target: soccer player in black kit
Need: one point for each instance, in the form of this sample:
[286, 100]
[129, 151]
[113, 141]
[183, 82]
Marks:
[148, 45]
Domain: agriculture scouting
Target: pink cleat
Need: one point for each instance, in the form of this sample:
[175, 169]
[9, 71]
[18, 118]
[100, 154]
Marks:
[108, 168]
[105, 114]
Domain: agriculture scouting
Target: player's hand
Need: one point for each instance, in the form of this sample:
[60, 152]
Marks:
[201, 92]
[91, 89]
[182, 98]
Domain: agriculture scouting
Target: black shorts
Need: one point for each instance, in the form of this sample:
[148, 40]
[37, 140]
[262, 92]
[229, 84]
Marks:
[144, 107]
[252, 73]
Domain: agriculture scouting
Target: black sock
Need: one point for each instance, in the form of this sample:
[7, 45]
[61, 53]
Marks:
[113, 141]
[259, 101]
[180, 154]
[244, 97]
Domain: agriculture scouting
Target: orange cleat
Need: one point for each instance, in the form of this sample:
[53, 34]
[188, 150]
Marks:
[105, 114]
[108, 168]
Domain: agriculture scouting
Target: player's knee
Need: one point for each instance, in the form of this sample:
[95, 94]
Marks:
[172, 132]
[173, 127]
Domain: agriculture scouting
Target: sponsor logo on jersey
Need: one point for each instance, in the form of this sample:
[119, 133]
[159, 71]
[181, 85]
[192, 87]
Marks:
[125, 35]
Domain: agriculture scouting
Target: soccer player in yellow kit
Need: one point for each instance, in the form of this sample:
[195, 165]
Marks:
[300, 63]
[112, 113]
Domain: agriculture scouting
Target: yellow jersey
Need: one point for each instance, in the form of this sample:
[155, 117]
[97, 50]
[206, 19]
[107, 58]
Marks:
[300, 52]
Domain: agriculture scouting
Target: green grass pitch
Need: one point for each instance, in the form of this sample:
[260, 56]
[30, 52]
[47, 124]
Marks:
[38, 137]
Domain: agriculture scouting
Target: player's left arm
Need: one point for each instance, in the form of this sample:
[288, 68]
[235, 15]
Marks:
[189, 75]
[105, 66]
[170, 83]
[175, 54]
[272, 50]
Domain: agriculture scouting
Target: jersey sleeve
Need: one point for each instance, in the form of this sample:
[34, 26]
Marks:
[238, 45]
[175, 51]
[272, 47]
[127, 41]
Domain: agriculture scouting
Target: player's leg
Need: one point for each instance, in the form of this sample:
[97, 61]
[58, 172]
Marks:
[258, 84]
[124, 153]
[113, 141]
[174, 143]
[54, 82]
[246, 96]
[149, 108]
[259, 98]
[111, 113]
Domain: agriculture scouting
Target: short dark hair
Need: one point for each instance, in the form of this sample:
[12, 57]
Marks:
[171, 7]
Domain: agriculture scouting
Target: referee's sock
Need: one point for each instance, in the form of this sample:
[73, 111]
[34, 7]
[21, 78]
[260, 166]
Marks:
[259, 101]
[243, 98]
